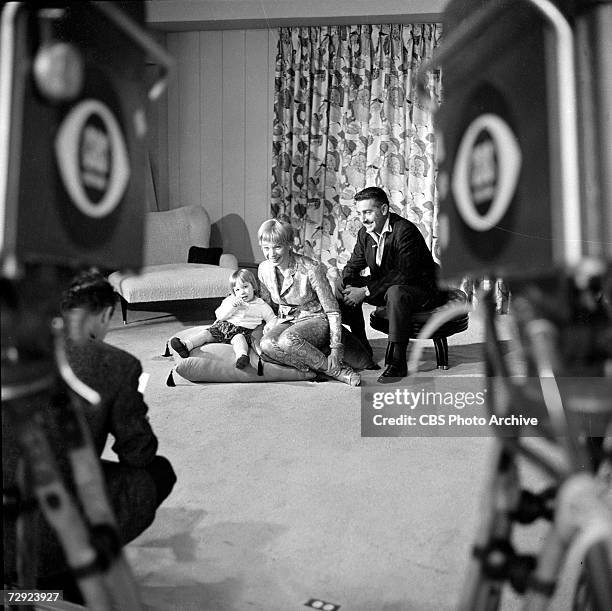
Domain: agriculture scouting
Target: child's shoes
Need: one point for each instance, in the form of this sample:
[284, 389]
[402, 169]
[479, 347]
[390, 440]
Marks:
[242, 361]
[179, 347]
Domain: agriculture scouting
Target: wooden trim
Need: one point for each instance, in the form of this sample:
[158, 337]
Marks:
[175, 16]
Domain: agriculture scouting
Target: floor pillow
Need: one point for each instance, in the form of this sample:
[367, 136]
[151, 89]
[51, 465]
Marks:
[217, 363]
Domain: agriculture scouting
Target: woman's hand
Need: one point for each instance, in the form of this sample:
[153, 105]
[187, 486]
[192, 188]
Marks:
[334, 360]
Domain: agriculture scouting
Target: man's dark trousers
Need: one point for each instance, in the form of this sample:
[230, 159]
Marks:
[400, 301]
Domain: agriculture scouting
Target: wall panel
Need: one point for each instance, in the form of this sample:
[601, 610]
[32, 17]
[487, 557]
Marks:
[234, 127]
[211, 134]
[189, 119]
[219, 131]
[173, 125]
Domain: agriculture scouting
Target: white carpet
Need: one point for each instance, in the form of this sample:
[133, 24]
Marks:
[280, 500]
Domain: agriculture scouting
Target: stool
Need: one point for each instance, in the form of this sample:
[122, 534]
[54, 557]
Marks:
[379, 321]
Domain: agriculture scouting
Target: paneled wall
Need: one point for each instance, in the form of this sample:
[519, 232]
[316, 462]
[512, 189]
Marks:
[219, 109]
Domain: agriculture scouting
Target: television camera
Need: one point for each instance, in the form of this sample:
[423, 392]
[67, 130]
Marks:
[73, 124]
[524, 182]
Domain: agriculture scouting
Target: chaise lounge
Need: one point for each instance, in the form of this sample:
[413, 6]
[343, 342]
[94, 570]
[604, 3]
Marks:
[178, 265]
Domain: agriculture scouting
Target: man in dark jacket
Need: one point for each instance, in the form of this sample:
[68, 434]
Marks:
[402, 276]
[139, 480]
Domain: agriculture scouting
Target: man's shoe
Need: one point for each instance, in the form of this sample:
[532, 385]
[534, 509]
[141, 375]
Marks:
[392, 374]
[372, 366]
[395, 362]
[179, 347]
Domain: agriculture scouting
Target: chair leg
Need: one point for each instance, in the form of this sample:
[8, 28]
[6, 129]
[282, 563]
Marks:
[123, 309]
[441, 346]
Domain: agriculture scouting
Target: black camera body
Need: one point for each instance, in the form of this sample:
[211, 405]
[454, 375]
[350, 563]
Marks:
[73, 107]
[523, 139]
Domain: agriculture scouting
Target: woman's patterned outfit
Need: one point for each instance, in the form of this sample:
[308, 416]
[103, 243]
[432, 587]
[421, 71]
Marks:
[308, 311]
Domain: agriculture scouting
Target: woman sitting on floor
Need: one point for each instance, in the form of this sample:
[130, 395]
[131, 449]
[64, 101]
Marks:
[309, 324]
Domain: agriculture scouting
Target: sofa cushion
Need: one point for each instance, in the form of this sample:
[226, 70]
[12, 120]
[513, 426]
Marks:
[198, 254]
[172, 281]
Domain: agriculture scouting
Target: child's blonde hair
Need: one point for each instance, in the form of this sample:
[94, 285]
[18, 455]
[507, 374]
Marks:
[246, 275]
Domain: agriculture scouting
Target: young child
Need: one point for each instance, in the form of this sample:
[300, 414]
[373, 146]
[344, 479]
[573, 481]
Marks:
[237, 316]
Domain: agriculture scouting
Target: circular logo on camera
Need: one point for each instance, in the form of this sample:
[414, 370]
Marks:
[92, 158]
[486, 172]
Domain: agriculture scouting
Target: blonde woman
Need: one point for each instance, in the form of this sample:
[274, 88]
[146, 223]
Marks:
[308, 332]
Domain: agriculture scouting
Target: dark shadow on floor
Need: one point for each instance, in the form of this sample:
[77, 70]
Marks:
[192, 543]
[221, 596]
[462, 354]
[200, 311]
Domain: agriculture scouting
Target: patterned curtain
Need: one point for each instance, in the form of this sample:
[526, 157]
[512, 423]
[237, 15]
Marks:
[347, 116]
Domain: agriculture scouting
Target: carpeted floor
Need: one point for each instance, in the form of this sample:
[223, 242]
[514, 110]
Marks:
[280, 500]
